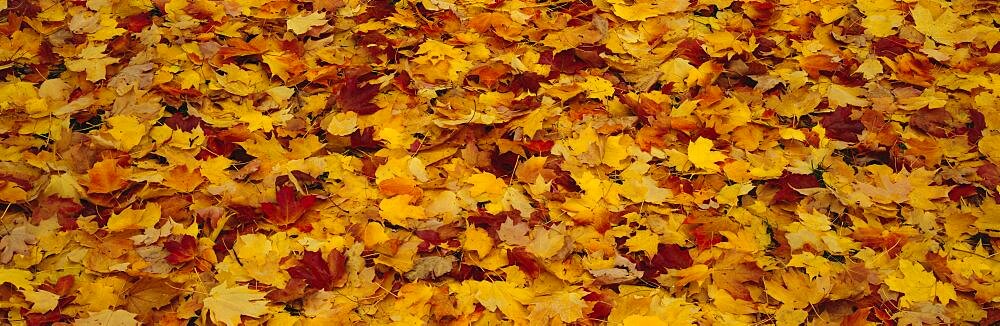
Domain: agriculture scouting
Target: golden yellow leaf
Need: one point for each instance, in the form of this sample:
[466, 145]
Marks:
[109, 318]
[302, 23]
[700, 154]
[477, 240]
[127, 130]
[93, 60]
[135, 218]
[227, 303]
[916, 284]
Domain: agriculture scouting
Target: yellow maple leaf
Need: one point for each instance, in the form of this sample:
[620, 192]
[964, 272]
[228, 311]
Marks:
[412, 300]
[404, 258]
[504, 296]
[127, 130]
[397, 210]
[302, 24]
[16, 277]
[109, 317]
[183, 179]
[571, 37]
[477, 240]
[787, 316]
[93, 60]
[798, 290]
[814, 265]
[945, 27]
[485, 185]
[42, 301]
[264, 255]
[642, 10]
[135, 218]
[989, 145]
[916, 284]
[645, 241]
[700, 154]
[567, 306]
[227, 304]
[597, 87]
[545, 242]
[883, 23]
[842, 95]
[643, 320]
[870, 68]
[436, 54]
[343, 123]
[374, 234]
[103, 293]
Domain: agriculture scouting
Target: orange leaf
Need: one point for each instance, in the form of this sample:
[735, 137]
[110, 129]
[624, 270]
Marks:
[106, 176]
[183, 179]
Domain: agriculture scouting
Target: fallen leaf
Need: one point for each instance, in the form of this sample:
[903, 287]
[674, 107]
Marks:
[227, 304]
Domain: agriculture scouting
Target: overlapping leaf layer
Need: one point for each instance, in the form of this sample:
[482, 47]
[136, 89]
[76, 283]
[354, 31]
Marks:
[489, 162]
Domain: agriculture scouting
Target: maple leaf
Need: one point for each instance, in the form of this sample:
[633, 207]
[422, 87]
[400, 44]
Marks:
[356, 94]
[525, 261]
[125, 130]
[109, 317]
[19, 278]
[147, 294]
[136, 23]
[815, 63]
[288, 209]
[494, 296]
[514, 234]
[135, 219]
[477, 240]
[700, 154]
[42, 301]
[840, 96]
[788, 185]
[671, 256]
[227, 304]
[181, 251]
[431, 267]
[565, 306]
[918, 285]
[318, 272]
[107, 176]
[302, 24]
[93, 60]
[531, 163]
[16, 242]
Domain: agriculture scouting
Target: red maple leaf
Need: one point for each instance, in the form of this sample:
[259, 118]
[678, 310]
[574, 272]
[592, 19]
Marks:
[318, 272]
[692, 50]
[667, 257]
[356, 94]
[539, 146]
[840, 126]
[136, 23]
[288, 209]
[525, 261]
[962, 191]
[181, 251]
[671, 256]
[787, 185]
[602, 309]
[64, 210]
[704, 239]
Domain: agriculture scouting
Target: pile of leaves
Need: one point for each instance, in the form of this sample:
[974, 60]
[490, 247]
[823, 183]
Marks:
[488, 162]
